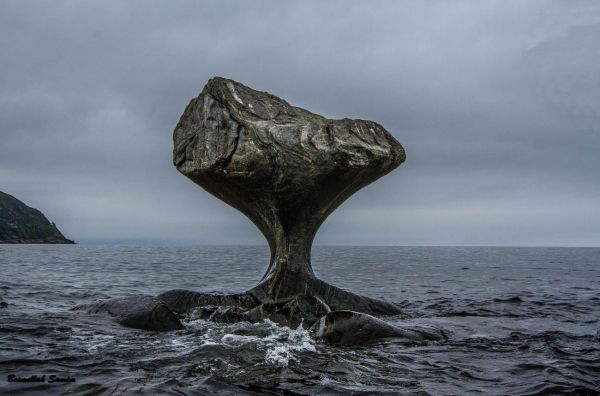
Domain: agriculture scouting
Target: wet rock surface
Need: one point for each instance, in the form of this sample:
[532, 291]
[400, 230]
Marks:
[183, 301]
[138, 312]
[293, 312]
[220, 314]
[354, 328]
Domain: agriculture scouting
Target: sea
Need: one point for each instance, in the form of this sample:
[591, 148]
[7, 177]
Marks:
[520, 321]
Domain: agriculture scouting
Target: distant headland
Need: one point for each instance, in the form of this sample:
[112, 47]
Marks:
[21, 224]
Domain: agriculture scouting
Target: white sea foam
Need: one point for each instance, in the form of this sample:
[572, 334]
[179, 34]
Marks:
[279, 355]
[282, 352]
[280, 344]
[94, 342]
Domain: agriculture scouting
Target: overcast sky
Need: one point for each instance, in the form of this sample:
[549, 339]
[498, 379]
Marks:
[496, 103]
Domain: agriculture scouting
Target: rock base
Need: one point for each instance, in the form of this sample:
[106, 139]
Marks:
[138, 312]
[325, 311]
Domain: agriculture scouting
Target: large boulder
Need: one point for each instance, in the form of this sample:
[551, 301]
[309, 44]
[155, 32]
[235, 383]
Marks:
[183, 301]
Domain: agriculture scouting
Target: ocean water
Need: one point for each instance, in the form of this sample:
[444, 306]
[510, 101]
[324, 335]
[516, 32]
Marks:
[522, 321]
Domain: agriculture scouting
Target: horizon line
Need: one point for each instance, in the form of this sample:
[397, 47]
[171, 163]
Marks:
[183, 244]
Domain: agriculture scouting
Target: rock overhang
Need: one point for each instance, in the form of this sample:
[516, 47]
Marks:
[235, 130]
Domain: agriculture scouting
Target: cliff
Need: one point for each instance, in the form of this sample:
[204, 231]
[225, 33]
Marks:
[21, 224]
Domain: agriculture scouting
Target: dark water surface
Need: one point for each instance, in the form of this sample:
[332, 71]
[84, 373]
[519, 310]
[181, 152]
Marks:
[522, 321]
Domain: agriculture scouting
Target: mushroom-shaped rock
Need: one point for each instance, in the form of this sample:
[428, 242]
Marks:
[286, 169]
[138, 312]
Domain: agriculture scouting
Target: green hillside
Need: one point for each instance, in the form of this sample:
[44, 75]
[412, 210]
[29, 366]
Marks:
[21, 224]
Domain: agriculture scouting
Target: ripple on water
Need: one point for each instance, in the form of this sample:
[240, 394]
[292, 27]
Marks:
[518, 323]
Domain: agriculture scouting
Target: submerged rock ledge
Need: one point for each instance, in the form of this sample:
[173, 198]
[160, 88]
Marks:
[286, 169]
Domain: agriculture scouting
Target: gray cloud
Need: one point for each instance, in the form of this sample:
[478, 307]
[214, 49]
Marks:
[496, 103]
